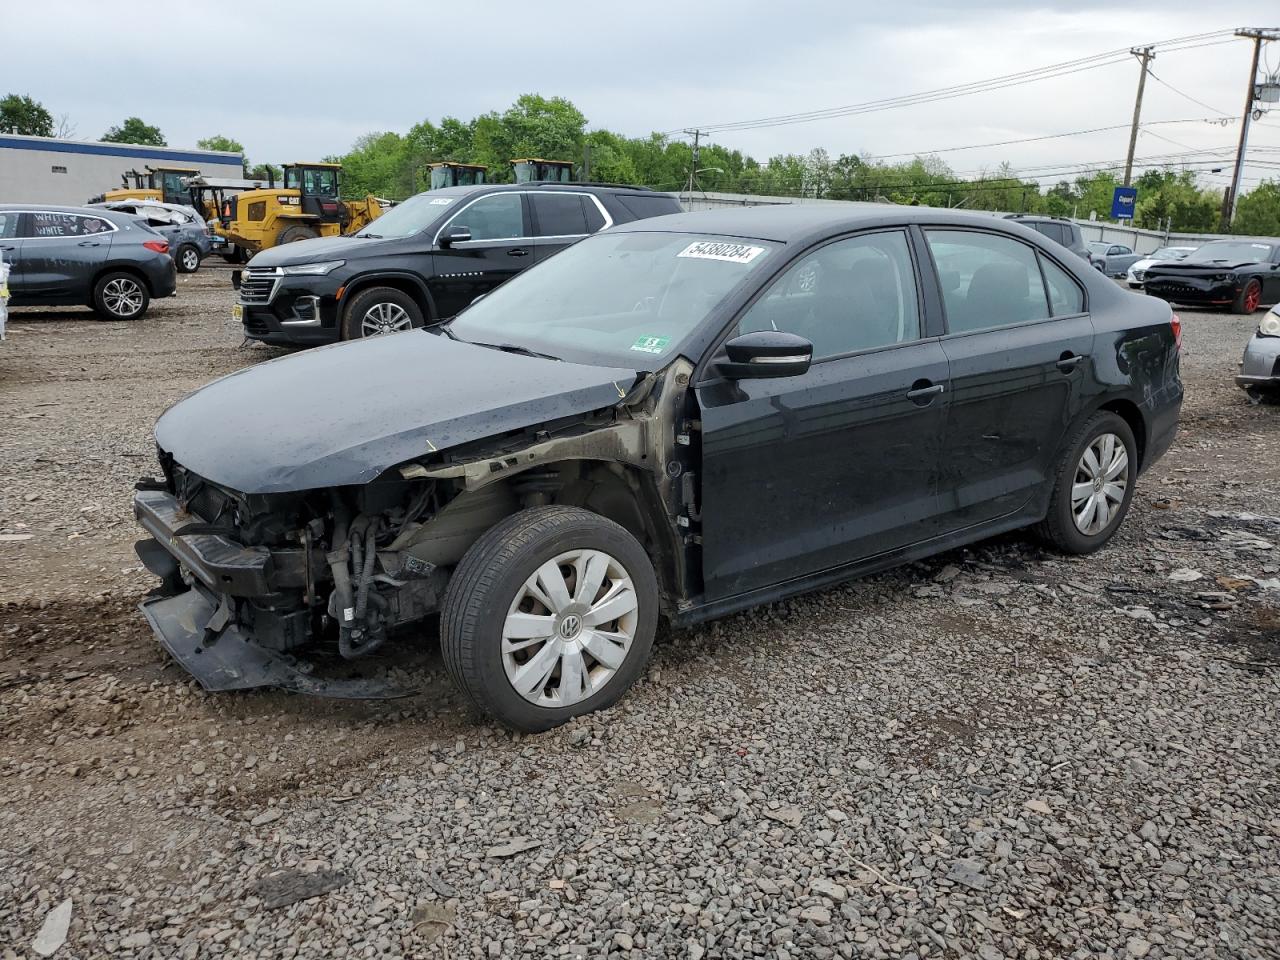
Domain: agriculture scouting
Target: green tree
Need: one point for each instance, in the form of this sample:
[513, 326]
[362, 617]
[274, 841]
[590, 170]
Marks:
[1258, 211]
[377, 163]
[134, 130]
[1175, 198]
[22, 115]
[219, 142]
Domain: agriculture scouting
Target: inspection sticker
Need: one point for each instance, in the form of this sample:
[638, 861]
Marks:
[441, 201]
[651, 344]
[718, 250]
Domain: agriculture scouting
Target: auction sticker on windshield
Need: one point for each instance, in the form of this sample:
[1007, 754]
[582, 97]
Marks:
[651, 344]
[441, 201]
[719, 250]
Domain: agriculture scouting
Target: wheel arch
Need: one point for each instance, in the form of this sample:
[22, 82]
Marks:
[1130, 413]
[406, 283]
[613, 489]
[128, 268]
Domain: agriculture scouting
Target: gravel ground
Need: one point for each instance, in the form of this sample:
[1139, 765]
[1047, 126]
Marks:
[1000, 752]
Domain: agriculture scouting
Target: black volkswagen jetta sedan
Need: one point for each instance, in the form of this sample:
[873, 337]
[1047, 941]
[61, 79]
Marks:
[1240, 274]
[679, 418]
[426, 259]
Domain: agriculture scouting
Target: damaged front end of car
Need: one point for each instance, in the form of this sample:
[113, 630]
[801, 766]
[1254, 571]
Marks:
[277, 588]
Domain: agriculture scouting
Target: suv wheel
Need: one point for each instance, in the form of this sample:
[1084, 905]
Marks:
[120, 296]
[187, 258]
[550, 615]
[1093, 485]
[1248, 299]
[379, 310]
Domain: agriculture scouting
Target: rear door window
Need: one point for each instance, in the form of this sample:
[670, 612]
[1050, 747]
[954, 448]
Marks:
[559, 214]
[987, 280]
[52, 224]
[1065, 295]
[8, 225]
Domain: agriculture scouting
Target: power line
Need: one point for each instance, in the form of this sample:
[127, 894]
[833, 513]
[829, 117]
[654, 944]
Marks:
[1185, 96]
[945, 93]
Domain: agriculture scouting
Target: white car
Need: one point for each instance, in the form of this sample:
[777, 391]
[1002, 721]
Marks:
[1138, 271]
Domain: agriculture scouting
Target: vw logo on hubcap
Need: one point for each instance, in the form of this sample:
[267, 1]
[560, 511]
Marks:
[570, 626]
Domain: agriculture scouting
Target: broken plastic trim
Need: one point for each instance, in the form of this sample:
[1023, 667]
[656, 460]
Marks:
[225, 659]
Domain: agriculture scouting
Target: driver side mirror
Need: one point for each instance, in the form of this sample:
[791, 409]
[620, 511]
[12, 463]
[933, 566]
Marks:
[766, 353]
[455, 234]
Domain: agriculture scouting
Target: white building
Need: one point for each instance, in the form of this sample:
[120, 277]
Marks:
[47, 170]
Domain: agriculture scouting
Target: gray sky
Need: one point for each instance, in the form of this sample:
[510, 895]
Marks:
[668, 65]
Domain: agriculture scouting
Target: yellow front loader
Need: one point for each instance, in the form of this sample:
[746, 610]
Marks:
[308, 205]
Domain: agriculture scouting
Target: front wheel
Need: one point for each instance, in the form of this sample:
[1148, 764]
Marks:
[1248, 299]
[379, 310]
[1093, 485]
[550, 615]
[120, 296]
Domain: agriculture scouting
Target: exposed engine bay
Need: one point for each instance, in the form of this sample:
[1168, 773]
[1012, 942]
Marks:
[254, 587]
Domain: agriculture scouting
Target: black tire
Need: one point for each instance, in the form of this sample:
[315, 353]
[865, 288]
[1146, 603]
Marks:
[296, 232]
[187, 258]
[387, 302]
[487, 582]
[120, 296]
[1251, 289]
[1059, 525]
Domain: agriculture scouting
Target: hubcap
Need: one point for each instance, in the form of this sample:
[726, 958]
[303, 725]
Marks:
[1252, 296]
[570, 628]
[384, 318]
[1102, 475]
[190, 260]
[123, 298]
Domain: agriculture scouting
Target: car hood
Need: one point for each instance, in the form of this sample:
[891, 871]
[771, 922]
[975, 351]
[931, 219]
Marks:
[1194, 266]
[315, 250]
[343, 414]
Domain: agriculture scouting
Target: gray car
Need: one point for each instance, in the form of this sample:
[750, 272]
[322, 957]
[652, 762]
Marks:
[1113, 259]
[190, 239]
[1259, 372]
[70, 256]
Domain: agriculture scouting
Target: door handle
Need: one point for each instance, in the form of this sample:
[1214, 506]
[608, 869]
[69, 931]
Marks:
[89, 243]
[1069, 361]
[518, 252]
[922, 392]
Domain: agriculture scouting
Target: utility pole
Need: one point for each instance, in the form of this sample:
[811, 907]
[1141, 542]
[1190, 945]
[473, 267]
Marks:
[1146, 55]
[693, 166]
[1258, 35]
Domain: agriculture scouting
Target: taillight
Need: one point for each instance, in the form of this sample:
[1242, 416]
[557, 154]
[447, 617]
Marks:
[1176, 322]
[159, 246]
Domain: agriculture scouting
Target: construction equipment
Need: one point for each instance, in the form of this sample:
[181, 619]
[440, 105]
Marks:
[167, 184]
[308, 205]
[452, 174]
[552, 171]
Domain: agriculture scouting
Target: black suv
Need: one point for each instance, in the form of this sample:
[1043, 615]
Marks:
[1059, 229]
[426, 259]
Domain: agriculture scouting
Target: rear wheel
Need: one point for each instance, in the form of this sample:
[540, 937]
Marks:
[120, 296]
[379, 310]
[550, 615]
[1248, 299]
[1093, 485]
[187, 258]
[297, 232]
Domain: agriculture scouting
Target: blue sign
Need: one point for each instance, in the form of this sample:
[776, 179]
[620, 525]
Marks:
[1123, 202]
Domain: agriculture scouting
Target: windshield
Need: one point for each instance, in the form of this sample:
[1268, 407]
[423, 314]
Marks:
[1171, 253]
[408, 218]
[1240, 251]
[627, 299]
[1099, 246]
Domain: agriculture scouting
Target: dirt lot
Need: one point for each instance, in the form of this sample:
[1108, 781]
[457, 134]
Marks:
[999, 752]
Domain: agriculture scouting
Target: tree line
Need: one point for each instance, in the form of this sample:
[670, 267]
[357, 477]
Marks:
[397, 165]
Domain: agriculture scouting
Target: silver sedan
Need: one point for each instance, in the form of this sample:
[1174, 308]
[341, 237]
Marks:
[1259, 372]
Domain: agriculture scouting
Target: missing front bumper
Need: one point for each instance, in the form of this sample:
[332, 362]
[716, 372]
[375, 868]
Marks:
[227, 659]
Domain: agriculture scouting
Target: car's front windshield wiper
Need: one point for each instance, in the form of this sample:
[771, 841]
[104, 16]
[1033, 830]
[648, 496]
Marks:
[513, 348]
[370, 236]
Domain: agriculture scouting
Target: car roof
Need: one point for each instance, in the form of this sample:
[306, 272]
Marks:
[791, 223]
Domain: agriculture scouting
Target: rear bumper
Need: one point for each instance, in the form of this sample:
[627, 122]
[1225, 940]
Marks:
[1260, 366]
[163, 278]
